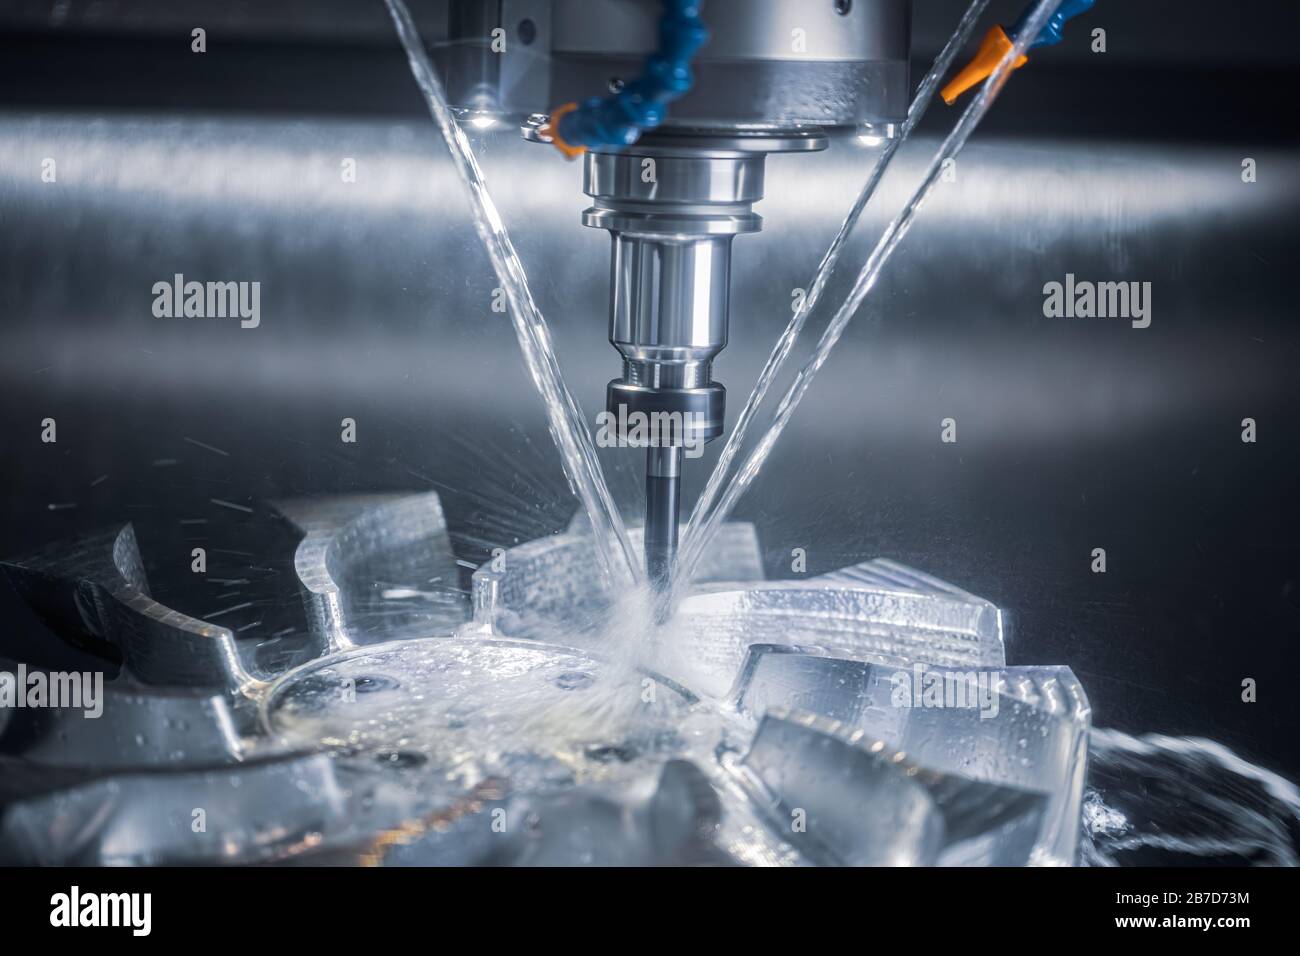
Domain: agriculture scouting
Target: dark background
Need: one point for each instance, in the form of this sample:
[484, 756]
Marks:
[1073, 433]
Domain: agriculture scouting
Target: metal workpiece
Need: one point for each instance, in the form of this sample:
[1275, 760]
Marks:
[526, 598]
[405, 731]
[370, 678]
[1041, 713]
[843, 780]
[349, 542]
[94, 594]
[812, 669]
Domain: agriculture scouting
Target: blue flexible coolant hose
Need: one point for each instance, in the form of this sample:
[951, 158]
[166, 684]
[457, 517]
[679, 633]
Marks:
[642, 104]
[1051, 34]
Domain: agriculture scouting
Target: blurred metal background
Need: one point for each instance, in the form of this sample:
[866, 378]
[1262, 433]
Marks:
[1072, 433]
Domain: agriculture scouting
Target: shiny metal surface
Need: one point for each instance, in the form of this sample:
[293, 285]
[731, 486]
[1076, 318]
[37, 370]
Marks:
[663, 488]
[866, 804]
[140, 727]
[268, 812]
[743, 29]
[672, 207]
[890, 617]
[877, 611]
[95, 594]
[669, 304]
[360, 553]
[1072, 434]
[394, 726]
[1033, 736]
[768, 63]
[672, 203]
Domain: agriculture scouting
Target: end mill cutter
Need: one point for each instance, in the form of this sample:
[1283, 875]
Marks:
[672, 204]
[774, 76]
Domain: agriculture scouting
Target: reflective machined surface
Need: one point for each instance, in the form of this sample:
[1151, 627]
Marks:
[398, 737]
[859, 802]
[838, 648]
[1073, 434]
[672, 203]
[477, 747]
[461, 702]
[853, 66]
[1027, 727]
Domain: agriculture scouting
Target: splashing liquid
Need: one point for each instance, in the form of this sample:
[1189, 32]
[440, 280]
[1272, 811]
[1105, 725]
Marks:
[781, 351]
[1165, 800]
[723, 490]
[567, 426]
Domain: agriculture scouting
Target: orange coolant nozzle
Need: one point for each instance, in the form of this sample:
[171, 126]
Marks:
[992, 49]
